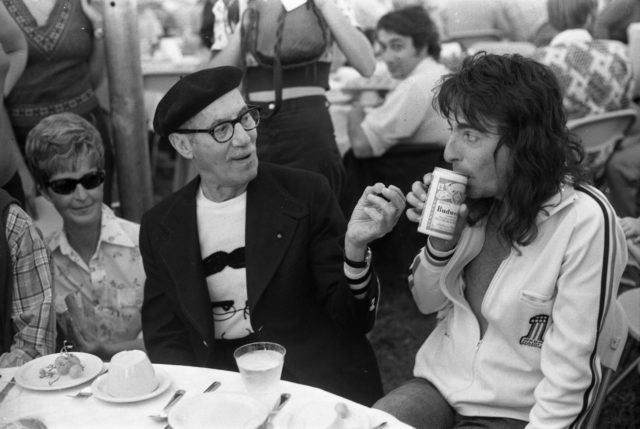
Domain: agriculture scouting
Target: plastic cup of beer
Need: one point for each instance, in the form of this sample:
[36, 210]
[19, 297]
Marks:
[260, 365]
[447, 192]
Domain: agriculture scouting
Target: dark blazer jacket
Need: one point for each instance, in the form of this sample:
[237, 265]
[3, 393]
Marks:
[298, 293]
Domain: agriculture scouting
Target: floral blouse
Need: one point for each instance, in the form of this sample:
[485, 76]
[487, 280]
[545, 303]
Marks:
[109, 290]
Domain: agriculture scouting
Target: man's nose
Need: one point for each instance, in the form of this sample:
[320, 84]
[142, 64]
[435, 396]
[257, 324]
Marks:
[241, 136]
[386, 56]
[450, 151]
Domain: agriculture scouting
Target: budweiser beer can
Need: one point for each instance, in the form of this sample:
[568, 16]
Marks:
[446, 193]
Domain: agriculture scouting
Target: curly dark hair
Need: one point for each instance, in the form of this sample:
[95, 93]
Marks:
[521, 100]
[414, 22]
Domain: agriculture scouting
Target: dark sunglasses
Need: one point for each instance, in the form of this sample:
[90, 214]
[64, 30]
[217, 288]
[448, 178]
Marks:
[67, 186]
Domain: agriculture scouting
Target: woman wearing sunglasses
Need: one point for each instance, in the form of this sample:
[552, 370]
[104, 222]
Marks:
[98, 270]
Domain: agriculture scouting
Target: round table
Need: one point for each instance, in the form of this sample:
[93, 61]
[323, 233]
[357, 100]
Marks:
[57, 410]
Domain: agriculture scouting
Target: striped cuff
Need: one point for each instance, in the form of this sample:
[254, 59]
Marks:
[358, 279]
[436, 257]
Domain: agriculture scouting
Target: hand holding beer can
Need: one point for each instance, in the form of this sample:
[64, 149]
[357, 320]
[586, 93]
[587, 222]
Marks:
[446, 194]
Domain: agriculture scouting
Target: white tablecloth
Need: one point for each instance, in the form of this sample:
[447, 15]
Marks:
[56, 410]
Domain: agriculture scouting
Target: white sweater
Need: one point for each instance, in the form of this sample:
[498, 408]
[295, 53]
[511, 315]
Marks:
[545, 306]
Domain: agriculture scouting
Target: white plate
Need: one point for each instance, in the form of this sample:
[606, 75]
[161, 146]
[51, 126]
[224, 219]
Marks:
[228, 410]
[99, 389]
[28, 375]
[322, 415]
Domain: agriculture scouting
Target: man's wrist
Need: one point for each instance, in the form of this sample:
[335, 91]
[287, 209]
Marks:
[354, 250]
[359, 263]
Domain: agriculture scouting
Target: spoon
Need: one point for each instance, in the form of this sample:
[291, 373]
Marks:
[162, 416]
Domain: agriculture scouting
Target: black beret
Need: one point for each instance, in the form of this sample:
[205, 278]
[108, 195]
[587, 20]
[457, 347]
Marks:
[191, 94]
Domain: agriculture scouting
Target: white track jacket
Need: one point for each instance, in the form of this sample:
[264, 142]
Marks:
[545, 307]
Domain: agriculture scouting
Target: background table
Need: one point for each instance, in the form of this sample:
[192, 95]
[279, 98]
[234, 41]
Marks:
[57, 410]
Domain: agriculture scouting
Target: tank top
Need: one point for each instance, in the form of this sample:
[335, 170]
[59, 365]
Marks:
[57, 77]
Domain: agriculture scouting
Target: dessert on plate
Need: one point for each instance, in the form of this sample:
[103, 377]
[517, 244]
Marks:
[65, 364]
[131, 374]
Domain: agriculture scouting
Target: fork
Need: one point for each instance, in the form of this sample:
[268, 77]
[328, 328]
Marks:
[84, 393]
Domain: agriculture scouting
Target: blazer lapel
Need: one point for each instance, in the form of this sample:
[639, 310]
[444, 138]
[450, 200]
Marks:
[272, 218]
[181, 255]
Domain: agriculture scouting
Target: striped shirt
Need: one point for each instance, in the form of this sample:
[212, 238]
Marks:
[32, 297]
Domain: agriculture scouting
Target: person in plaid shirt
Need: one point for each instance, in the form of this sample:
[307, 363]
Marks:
[27, 325]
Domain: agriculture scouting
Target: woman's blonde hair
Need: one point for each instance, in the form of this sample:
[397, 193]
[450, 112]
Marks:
[58, 142]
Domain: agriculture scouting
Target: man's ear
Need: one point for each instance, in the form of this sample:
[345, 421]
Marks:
[182, 144]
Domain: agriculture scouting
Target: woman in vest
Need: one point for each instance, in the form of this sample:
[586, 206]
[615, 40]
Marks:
[65, 66]
[300, 133]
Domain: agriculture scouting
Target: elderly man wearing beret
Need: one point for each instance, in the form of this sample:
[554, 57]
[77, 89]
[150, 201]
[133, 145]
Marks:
[248, 252]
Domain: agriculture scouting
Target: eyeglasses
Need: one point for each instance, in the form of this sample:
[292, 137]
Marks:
[67, 186]
[223, 132]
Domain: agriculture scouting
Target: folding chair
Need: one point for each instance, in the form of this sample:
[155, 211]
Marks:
[600, 134]
[610, 347]
[630, 302]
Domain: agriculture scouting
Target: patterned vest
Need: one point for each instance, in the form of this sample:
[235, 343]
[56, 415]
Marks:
[57, 77]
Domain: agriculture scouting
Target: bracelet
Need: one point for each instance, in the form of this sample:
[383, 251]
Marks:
[359, 264]
[98, 33]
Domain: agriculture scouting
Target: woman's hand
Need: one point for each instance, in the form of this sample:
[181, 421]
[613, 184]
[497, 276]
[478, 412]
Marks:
[77, 327]
[94, 10]
[77, 336]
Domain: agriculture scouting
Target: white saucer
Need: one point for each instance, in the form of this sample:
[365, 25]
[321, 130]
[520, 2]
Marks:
[98, 387]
